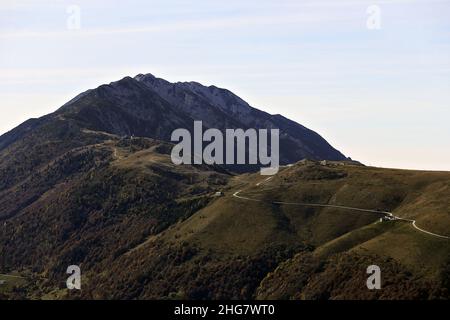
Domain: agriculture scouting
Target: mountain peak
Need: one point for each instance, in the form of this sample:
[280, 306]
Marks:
[147, 106]
[142, 76]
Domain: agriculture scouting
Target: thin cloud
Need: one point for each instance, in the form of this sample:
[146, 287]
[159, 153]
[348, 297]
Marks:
[189, 25]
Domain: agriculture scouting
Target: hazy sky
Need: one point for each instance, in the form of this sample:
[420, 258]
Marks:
[381, 96]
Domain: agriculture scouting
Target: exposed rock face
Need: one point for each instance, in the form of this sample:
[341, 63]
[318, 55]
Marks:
[220, 108]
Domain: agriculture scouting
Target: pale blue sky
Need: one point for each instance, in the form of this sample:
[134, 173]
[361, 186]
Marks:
[379, 96]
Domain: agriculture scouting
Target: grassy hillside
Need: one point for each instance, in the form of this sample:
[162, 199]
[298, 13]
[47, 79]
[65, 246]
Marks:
[237, 248]
[141, 227]
[95, 203]
[413, 262]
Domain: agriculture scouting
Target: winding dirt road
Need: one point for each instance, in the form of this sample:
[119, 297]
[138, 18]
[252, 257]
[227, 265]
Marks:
[388, 214]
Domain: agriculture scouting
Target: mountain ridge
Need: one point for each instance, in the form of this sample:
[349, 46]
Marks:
[93, 184]
[153, 107]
